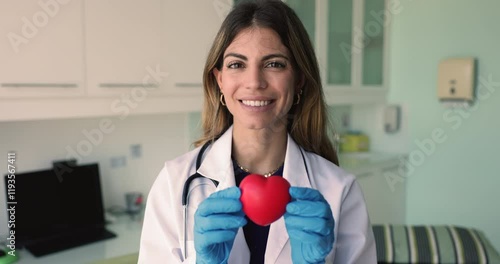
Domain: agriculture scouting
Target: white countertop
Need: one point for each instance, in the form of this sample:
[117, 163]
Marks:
[361, 162]
[128, 233]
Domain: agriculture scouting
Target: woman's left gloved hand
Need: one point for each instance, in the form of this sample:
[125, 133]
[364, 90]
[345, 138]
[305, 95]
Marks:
[309, 223]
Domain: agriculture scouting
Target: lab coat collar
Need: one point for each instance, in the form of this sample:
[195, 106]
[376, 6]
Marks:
[217, 165]
[295, 170]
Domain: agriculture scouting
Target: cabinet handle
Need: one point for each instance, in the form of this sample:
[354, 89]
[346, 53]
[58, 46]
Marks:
[39, 85]
[128, 85]
[188, 85]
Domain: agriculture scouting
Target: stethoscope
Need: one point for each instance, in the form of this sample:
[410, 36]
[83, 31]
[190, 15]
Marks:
[185, 192]
[185, 189]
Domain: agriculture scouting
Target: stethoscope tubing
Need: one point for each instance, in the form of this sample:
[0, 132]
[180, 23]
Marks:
[185, 193]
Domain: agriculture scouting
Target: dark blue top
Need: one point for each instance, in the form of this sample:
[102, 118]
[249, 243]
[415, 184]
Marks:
[255, 235]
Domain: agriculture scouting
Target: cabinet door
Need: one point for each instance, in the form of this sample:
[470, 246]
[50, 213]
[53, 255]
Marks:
[41, 49]
[385, 204]
[373, 43]
[123, 46]
[340, 44]
[189, 30]
[356, 46]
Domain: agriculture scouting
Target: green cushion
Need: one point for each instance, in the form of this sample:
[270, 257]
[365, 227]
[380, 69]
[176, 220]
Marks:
[432, 244]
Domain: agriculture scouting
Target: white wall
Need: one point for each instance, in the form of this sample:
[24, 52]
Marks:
[38, 143]
[452, 153]
[370, 120]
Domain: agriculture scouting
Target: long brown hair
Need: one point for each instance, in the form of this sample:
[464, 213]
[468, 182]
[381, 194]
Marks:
[308, 121]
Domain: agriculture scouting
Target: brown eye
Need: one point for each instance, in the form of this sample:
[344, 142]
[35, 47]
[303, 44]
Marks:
[275, 64]
[235, 65]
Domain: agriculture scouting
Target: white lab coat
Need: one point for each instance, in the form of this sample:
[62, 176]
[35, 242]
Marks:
[162, 237]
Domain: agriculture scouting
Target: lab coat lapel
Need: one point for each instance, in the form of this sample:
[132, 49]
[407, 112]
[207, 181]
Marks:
[217, 164]
[295, 173]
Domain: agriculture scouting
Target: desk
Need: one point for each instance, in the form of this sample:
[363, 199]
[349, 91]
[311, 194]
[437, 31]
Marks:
[128, 233]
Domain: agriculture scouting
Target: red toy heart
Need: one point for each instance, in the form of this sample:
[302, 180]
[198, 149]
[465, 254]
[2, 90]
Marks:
[264, 199]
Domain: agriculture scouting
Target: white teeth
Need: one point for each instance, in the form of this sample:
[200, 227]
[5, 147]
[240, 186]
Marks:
[256, 103]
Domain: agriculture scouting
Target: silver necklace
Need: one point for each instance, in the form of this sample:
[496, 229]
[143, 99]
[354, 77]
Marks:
[265, 175]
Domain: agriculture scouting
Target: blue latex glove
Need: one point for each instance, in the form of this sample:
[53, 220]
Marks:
[309, 223]
[216, 224]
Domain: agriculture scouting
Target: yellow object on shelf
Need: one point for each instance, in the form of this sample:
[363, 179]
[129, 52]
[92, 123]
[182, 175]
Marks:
[354, 142]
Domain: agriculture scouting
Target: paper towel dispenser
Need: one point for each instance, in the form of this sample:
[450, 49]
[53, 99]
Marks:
[456, 80]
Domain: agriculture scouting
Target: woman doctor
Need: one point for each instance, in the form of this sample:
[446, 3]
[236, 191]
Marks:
[264, 113]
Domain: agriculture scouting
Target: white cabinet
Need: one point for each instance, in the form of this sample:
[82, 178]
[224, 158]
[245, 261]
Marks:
[41, 49]
[104, 57]
[383, 186]
[385, 204]
[351, 42]
[189, 30]
[123, 46]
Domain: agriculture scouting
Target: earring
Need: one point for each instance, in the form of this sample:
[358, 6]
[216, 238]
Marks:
[222, 99]
[298, 97]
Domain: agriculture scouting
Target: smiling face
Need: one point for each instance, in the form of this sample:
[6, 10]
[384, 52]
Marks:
[257, 79]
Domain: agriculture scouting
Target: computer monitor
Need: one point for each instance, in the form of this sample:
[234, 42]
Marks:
[50, 204]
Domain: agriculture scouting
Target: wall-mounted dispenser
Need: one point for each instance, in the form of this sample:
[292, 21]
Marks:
[392, 118]
[456, 79]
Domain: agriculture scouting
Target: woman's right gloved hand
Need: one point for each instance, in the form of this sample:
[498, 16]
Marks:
[216, 224]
